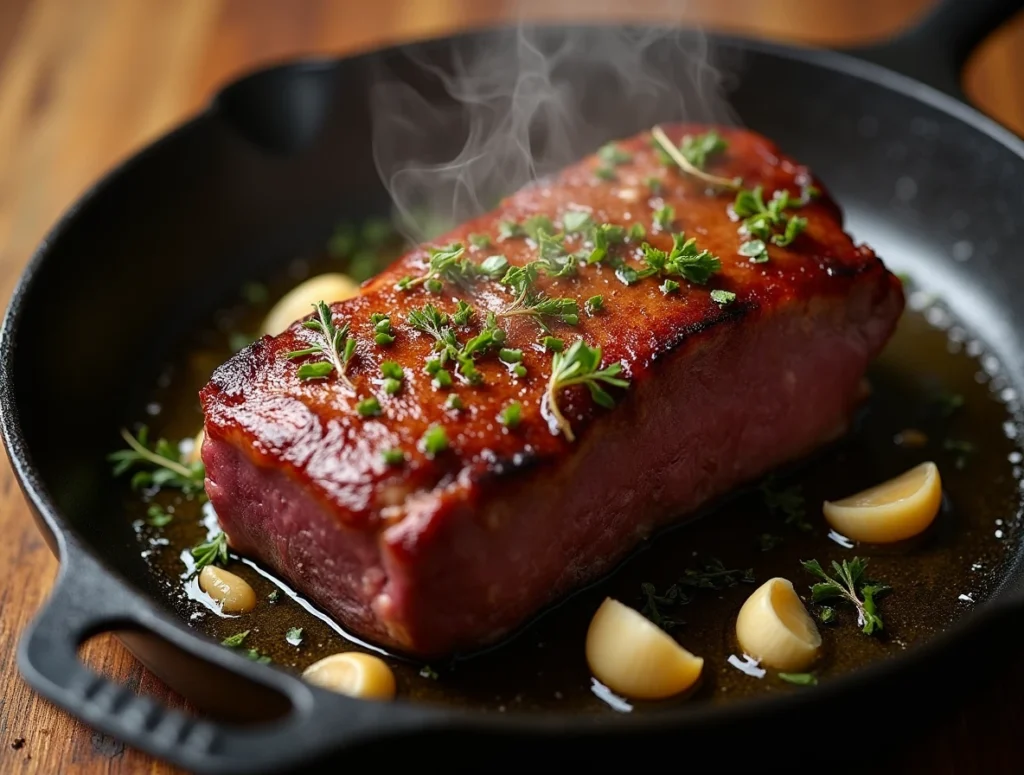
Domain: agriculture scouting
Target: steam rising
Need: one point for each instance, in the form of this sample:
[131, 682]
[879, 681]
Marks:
[457, 128]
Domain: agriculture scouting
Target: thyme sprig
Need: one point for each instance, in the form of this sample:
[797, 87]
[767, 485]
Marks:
[687, 166]
[432, 321]
[446, 264]
[849, 584]
[337, 347]
[159, 465]
[528, 301]
[580, 365]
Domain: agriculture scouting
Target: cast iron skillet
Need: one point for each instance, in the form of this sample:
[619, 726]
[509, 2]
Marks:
[263, 174]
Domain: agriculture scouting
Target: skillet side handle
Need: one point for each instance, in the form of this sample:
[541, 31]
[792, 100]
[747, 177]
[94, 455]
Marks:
[87, 600]
[935, 50]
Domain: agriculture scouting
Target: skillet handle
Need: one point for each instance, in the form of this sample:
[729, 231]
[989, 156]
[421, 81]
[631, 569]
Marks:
[87, 600]
[935, 50]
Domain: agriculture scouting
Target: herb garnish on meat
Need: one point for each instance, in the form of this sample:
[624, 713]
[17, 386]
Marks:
[337, 346]
[580, 365]
[686, 165]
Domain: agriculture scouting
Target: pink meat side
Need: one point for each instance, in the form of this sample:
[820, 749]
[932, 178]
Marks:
[469, 563]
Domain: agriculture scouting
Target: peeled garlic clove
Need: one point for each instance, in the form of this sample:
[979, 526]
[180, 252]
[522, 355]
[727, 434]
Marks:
[299, 301]
[774, 627]
[354, 674]
[635, 658]
[232, 592]
[892, 511]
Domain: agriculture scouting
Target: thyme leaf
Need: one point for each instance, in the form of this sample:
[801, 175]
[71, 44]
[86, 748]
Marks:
[580, 365]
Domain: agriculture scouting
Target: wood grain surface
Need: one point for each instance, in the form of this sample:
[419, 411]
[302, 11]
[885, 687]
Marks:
[84, 83]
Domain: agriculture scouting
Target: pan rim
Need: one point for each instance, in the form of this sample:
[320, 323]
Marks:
[65, 538]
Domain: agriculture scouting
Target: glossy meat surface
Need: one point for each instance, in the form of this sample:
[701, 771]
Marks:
[452, 551]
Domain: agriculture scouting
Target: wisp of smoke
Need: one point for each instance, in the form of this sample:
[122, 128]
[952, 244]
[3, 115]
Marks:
[458, 127]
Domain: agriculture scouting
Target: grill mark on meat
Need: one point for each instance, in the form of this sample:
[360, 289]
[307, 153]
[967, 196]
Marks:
[412, 556]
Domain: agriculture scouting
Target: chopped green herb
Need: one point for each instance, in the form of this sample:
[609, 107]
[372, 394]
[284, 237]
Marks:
[603, 237]
[722, 298]
[536, 225]
[674, 154]
[447, 264]
[480, 240]
[654, 184]
[294, 636]
[335, 344]
[274, 596]
[769, 221]
[669, 286]
[368, 407]
[576, 222]
[391, 386]
[392, 370]
[850, 585]
[382, 326]
[519, 370]
[520, 280]
[755, 250]
[653, 602]
[684, 260]
[511, 415]
[697, 149]
[454, 403]
[580, 365]
[494, 267]
[510, 230]
[594, 304]
[614, 155]
[212, 552]
[463, 312]
[826, 614]
[393, 456]
[605, 172]
[256, 656]
[157, 516]
[714, 575]
[443, 379]
[236, 640]
[626, 275]
[428, 672]
[507, 355]
[799, 679]
[788, 502]
[553, 343]
[161, 465]
[636, 232]
[664, 216]
[434, 441]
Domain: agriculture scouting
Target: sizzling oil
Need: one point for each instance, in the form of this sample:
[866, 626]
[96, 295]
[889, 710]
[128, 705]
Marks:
[936, 577]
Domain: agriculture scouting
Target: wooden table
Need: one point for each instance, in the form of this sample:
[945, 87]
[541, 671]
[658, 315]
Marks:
[84, 83]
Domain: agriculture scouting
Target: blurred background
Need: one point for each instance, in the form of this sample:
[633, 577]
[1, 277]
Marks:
[85, 83]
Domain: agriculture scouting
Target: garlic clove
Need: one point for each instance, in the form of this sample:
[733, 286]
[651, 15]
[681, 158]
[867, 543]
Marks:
[299, 301]
[232, 592]
[635, 658]
[354, 674]
[892, 511]
[774, 627]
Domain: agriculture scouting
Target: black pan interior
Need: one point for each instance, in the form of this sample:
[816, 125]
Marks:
[283, 156]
